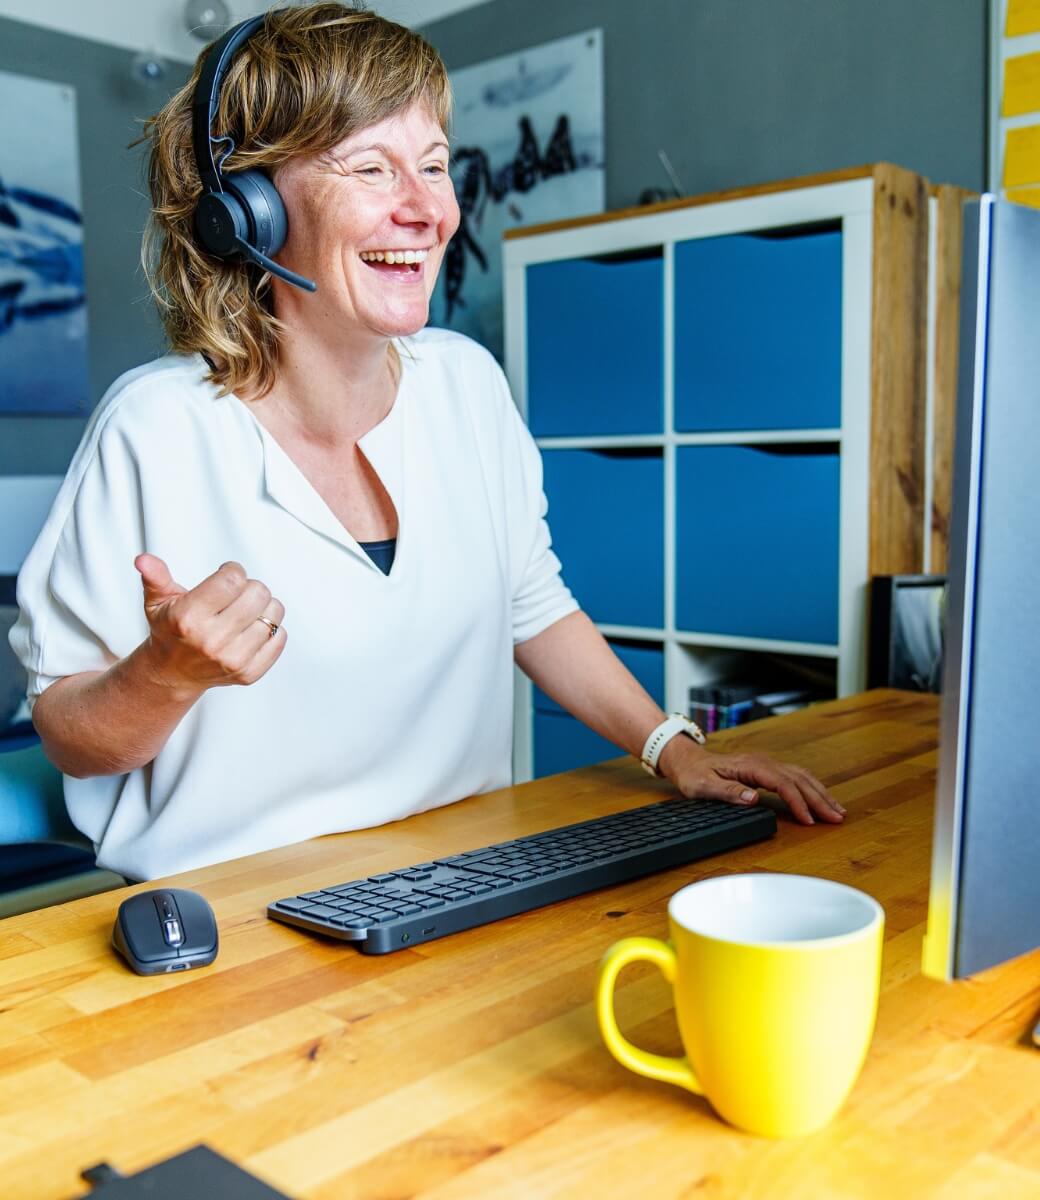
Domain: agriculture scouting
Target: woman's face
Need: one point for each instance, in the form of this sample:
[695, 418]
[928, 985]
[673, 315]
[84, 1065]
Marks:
[381, 196]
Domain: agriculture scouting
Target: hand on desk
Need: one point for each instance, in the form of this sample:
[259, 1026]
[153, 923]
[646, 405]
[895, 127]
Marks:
[700, 774]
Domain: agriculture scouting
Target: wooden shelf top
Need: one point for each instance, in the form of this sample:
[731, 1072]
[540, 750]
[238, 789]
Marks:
[867, 171]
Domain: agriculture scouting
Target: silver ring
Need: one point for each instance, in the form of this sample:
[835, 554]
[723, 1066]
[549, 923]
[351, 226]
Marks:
[270, 625]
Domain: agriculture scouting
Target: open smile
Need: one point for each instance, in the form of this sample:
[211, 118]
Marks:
[395, 262]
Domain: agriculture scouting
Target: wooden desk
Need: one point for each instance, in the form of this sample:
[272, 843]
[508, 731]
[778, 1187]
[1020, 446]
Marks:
[472, 1067]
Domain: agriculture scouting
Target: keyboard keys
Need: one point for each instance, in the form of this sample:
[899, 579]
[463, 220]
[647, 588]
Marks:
[550, 866]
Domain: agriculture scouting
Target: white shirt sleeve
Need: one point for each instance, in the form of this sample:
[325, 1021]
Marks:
[540, 597]
[79, 595]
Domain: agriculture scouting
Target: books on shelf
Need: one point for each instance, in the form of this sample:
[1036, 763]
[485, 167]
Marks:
[724, 706]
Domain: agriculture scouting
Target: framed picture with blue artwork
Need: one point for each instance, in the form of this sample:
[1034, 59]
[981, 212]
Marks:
[43, 309]
[527, 147]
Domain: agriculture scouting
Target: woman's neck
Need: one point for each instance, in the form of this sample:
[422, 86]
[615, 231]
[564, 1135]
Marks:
[327, 395]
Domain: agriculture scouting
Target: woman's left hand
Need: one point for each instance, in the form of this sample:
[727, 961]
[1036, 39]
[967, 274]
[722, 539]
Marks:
[700, 774]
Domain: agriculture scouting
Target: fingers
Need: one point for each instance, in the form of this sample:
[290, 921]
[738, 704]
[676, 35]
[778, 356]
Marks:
[242, 611]
[255, 636]
[821, 802]
[252, 654]
[803, 794]
[156, 580]
[733, 792]
[241, 645]
[221, 588]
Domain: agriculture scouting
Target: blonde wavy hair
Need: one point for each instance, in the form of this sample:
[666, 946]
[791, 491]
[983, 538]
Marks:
[306, 79]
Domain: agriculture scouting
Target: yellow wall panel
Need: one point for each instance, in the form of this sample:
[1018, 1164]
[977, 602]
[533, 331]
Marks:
[1023, 16]
[1022, 156]
[1021, 85]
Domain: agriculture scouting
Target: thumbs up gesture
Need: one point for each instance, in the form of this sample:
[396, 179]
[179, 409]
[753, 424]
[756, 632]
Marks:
[227, 630]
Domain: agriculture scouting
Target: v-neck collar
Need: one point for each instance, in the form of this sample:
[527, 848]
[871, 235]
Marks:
[382, 445]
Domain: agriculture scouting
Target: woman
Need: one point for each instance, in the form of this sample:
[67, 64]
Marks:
[320, 464]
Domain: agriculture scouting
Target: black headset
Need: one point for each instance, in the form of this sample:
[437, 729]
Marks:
[239, 215]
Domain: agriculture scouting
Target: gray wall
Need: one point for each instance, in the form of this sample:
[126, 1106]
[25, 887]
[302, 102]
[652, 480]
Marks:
[736, 91]
[122, 328]
[744, 91]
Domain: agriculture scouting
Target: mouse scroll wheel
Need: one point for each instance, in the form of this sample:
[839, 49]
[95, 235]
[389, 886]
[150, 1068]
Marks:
[172, 929]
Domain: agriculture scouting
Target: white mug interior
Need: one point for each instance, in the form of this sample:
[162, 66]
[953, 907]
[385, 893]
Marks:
[772, 909]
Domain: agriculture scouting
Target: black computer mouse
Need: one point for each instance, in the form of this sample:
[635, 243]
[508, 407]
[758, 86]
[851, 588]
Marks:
[168, 929]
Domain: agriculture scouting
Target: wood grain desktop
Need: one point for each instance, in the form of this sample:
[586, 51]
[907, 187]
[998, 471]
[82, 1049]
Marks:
[471, 1066]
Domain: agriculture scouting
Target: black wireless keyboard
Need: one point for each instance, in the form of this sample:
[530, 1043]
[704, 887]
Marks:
[416, 904]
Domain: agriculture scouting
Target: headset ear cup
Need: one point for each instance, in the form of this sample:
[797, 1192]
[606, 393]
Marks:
[219, 220]
[263, 209]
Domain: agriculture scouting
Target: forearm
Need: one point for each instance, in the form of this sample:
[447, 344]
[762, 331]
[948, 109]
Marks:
[110, 722]
[573, 663]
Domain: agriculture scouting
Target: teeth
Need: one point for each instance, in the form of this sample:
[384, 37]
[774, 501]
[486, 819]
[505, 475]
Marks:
[394, 256]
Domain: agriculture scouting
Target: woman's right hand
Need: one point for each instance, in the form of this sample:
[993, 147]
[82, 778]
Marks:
[211, 635]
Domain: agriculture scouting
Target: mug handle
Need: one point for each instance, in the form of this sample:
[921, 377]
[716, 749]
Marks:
[655, 1066]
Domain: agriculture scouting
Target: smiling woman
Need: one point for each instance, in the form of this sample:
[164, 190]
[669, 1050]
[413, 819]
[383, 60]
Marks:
[292, 103]
[373, 475]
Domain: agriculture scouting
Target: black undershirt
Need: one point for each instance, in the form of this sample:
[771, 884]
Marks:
[381, 553]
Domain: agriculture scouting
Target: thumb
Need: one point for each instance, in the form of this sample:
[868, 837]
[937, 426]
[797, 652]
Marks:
[731, 792]
[157, 581]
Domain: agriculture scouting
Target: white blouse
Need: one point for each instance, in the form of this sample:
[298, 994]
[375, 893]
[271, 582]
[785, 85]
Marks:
[394, 692]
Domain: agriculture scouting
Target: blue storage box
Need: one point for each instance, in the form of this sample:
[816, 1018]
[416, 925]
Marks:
[757, 542]
[606, 515]
[595, 347]
[758, 332]
[646, 662]
[562, 743]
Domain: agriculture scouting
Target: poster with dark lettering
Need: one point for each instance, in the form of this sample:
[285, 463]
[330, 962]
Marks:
[43, 312]
[527, 147]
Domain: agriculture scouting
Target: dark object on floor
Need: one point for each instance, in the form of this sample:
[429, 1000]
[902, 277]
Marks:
[199, 1174]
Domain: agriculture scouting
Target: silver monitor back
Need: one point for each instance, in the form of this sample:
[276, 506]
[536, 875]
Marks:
[984, 905]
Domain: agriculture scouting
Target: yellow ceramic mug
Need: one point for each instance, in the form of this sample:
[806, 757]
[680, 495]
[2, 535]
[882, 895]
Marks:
[776, 988]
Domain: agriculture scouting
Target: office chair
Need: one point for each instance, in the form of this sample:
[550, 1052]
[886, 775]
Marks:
[33, 817]
[44, 859]
[32, 802]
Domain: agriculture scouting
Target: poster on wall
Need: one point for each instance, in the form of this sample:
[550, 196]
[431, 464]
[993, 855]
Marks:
[527, 147]
[43, 312]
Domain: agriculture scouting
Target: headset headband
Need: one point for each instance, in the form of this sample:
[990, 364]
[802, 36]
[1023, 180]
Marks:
[207, 95]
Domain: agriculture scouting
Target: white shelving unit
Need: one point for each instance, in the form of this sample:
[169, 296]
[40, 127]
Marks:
[849, 202]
